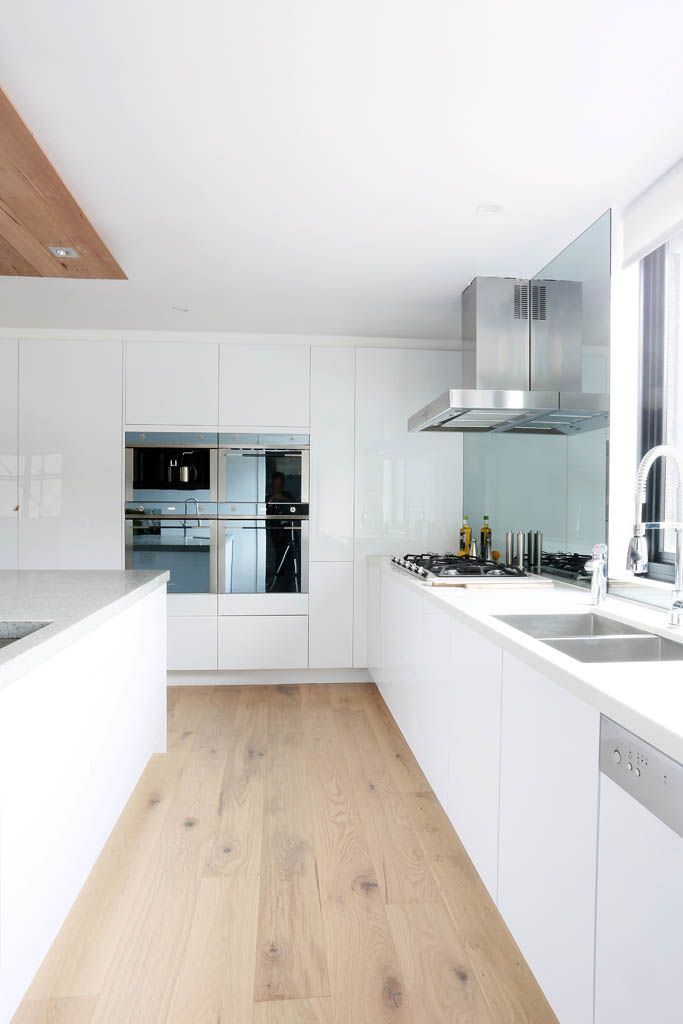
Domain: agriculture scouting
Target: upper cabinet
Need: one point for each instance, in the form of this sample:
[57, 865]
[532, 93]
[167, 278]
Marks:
[332, 454]
[71, 455]
[8, 454]
[171, 383]
[264, 386]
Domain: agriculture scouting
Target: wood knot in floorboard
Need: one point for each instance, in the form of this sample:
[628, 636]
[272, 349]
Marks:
[392, 994]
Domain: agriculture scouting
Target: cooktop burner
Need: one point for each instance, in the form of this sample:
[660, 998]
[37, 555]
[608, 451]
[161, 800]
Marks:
[432, 567]
[569, 565]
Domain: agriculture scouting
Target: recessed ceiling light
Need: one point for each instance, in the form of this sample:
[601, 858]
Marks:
[63, 252]
[180, 309]
[489, 208]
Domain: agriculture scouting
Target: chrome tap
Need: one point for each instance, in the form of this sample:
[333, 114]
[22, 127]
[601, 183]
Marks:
[637, 559]
[597, 566]
[199, 522]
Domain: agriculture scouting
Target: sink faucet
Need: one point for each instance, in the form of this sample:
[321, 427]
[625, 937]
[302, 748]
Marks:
[597, 566]
[637, 559]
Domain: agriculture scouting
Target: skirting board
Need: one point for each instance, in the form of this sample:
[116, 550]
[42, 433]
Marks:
[270, 677]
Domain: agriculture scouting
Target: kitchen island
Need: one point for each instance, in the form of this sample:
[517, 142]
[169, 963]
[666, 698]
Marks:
[82, 709]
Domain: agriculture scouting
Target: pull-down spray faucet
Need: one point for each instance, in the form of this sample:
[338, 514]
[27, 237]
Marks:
[637, 559]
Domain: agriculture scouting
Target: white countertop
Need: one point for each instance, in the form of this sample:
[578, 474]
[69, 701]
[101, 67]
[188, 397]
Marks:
[645, 697]
[73, 602]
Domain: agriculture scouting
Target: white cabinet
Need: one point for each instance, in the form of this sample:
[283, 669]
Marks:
[264, 386]
[262, 642]
[332, 454]
[330, 617]
[9, 495]
[548, 834]
[408, 486]
[71, 438]
[640, 914]
[172, 383]
[474, 720]
[192, 642]
[435, 709]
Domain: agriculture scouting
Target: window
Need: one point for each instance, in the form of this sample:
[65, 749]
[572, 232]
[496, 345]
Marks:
[662, 388]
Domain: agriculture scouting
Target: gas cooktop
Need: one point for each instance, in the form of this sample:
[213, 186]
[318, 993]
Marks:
[567, 564]
[433, 568]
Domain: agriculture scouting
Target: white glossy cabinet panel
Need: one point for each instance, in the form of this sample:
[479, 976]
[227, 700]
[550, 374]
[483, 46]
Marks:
[330, 620]
[192, 642]
[172, 383]
[474, 773]
[548, 834]
[332, 454]
[436, 709]
[262, 642]
[71, 452]
[264, 386]
[640, 914]
[9, 484]
[192, 604]
[263, 604]
[408, 486]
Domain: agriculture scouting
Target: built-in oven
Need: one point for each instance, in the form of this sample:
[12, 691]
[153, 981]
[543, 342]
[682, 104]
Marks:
[166, 466]
[263, 511]
[180, 537]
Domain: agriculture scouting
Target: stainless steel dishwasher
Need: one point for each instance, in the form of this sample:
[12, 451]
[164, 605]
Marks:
[639, 939]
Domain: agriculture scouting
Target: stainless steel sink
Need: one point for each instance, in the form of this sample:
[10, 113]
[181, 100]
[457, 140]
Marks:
[585, 624]
[12, 631]
[644, 647]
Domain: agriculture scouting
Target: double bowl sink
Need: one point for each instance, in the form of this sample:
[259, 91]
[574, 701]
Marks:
[594, 638]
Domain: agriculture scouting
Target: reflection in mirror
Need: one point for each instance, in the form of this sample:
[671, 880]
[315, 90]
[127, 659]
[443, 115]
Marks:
[554, 483]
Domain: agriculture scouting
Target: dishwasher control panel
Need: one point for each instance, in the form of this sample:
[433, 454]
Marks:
[649, 776]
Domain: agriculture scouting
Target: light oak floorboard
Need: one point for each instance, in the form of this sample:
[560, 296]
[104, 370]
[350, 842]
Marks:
[75, 1010]
[293, 1011]
[291, 956]
[216, 977]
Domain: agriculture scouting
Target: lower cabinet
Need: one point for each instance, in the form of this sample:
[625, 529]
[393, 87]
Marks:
[330, 615]
[192, 643]
[262, 641]
[474, 775]
[548, 834]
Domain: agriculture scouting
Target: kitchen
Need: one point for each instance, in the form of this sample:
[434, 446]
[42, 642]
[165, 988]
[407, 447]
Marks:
[328, 748]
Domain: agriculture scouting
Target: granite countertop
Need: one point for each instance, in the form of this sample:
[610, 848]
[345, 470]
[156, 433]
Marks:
[644, 697]
[72, 602]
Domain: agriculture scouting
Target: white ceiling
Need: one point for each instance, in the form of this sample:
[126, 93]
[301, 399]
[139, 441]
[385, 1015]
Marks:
[313, 166]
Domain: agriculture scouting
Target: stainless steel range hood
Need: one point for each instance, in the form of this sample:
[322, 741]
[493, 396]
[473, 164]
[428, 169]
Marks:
[521, 363]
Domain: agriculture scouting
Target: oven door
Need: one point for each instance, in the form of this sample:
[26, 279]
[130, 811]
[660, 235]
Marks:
[250, 479]
[263, 555]
[185, 547]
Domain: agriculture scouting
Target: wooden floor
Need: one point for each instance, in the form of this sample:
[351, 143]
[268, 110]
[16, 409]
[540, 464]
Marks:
[284, 863]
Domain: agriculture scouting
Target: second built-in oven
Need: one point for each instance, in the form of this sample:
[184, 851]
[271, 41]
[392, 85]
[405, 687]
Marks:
[263, 509]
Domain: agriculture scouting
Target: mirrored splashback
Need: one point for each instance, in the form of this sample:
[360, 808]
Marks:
[555, 484]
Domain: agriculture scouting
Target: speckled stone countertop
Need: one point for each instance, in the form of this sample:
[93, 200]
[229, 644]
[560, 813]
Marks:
[71, 602]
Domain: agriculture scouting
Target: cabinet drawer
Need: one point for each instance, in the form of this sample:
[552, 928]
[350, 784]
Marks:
[262, 642]
[192, 642]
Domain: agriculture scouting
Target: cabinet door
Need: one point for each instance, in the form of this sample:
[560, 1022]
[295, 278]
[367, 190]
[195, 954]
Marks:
[263, 642]
[71, 431]
[548, 834]
[640, 914]
[332, 454]
[192, 642]
[472, 802]
[330, 616]
[435, 708]
[172, 383]
[408, 486]
[264, 386]
[9, 494]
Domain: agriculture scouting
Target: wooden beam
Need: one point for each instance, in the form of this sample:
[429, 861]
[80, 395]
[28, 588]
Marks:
[37, 210]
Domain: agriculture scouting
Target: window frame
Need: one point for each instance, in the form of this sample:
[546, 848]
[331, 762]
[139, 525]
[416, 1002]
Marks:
[653, 306]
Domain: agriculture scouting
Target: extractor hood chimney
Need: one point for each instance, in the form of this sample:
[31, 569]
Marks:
[521, 363]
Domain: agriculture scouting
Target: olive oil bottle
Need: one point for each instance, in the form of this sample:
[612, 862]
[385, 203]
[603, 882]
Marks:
[465, 537]
[486, 539]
